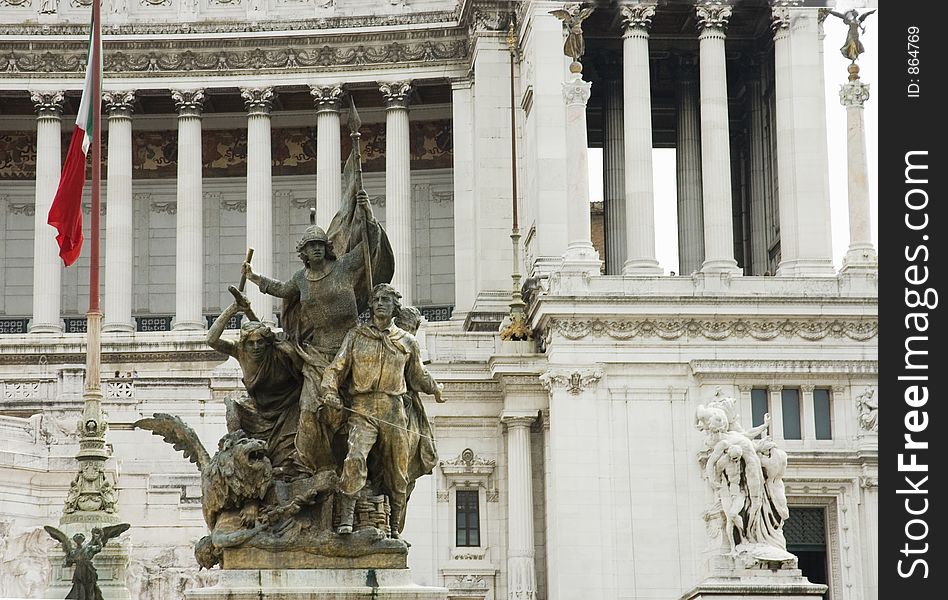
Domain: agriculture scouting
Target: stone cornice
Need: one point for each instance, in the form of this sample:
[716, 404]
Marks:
[817, 369]
[714, 328]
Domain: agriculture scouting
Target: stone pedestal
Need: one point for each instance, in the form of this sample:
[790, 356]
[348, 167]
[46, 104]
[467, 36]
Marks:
[760, 584]
[313, 584]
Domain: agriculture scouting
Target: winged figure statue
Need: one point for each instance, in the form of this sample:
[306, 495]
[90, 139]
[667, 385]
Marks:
[79, 554]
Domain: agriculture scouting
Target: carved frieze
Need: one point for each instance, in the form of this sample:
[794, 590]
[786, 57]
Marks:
[574, 381]
[280, 55]
[716, 329]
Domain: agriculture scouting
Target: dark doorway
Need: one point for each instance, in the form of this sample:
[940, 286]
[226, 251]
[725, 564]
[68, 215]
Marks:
[805, 531]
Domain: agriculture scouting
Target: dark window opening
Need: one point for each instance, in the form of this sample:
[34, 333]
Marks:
[822, 415]
[790, 405]
[468, 529]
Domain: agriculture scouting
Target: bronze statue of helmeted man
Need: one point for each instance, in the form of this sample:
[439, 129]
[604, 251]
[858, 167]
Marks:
[339, 426]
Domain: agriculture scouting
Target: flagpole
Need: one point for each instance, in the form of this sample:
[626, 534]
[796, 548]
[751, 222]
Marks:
[94, 316]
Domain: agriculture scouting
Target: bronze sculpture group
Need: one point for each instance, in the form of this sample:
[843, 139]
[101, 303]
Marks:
[320, 458]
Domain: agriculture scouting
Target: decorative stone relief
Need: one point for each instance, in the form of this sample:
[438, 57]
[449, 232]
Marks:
[22, 208]
[21, 390]
[442, 197]
[168, 208]
[22, 3]
[716, 329]
[574, 381]
[24, 563]
[443, 496]
[231, 205]
[119, 389]
[577, 91]
[48, 7]
[155, 2]
[853, 94]
[713, 14]
[868, 407]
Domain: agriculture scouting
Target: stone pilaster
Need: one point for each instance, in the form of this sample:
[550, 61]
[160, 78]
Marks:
[465, 236]
[688, 169]
[580, 256]
[119, 234]
[47, 266]
[521, 566]
[259, 101]
[613, 168]
[639, 195]
[328, 101]
[189, 249]
[803, 196]
[861, 254]
[715, 140]
[398, 219]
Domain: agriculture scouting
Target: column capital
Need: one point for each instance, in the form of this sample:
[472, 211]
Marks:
[258, 101]
[713, 14]
[188, 103]
[577, 91]
[518, 418]
[780, 15]
[119, 103]
[775, 388]
[395, 93]
[48, 103]
[327, 98]
[637, 16]
[853, 94]
[807, 388]
[745, 388]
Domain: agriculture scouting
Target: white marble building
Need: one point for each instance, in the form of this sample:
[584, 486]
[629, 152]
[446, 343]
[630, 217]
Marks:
[568, 467]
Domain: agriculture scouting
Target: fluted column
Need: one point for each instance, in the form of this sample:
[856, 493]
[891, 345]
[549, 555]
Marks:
[760, 258]
[119, 249]
[521, 571]
[688, 169]
[465, 210]
[47, 266]
[613, 169]
[861, 253]
[259, 194]
[189, 248]
[580, 256]
[398, 220]
[639, 194]
[715, 141]
[328, 100]
[805, 232]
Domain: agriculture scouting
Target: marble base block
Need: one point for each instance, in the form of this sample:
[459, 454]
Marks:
[759, 584]
[313, 584]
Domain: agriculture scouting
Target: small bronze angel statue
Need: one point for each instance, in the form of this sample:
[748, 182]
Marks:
[853, 47]
[573, 16]
[84, 578]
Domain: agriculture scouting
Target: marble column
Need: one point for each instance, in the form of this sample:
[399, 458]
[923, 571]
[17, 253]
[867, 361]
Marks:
[580, 256]
[639, 194]
[260, 194]
[757, 190]
[688, 168]
[803, 196]
[613, 168]
[521, 568]
[189, 249]
[328, 100]
[398, 219]
[47, 266]
[119, 234]
[861, 254]
[715, 141]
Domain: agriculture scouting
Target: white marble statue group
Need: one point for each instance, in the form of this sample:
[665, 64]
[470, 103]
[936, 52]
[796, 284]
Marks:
[745, 469]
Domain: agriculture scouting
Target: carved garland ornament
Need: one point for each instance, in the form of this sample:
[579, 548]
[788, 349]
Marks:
[716, 329]
[171, 61]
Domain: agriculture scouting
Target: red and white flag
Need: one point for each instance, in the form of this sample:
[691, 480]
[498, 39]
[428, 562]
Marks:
[66, 212]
